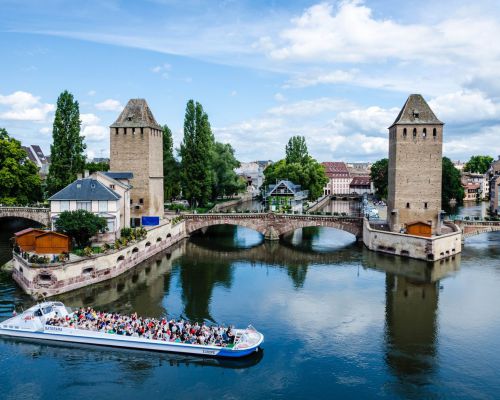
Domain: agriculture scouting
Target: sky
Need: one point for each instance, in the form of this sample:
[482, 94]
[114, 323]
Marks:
[336, 72]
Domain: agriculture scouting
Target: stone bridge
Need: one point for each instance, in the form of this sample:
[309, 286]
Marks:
[37, 214]
[271, 225]
[471, 228]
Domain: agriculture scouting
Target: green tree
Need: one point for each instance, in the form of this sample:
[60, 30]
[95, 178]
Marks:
[226, 181]
[171, 167]
[66, 151]
[302, 169]
[479, 164]
[296, 150]
[92, 167]
[80, 225]
[197, 156]
[452, 185]
[20, 183]
[380, 177]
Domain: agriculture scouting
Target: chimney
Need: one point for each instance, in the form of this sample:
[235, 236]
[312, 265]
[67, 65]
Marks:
[79, 176]
[86, 173]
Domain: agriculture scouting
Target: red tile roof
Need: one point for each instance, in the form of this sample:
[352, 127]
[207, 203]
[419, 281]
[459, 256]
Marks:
[360, 181]
[336, 169]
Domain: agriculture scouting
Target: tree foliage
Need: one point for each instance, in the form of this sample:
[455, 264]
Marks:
[301, 169]
[225, 182]
[452, 185]
[296, 150]
[380, 177]
[479, 164]
[20, 183]
[171, 167]
[80, 225]
[196, 152]
[66, 151]
[92, 167]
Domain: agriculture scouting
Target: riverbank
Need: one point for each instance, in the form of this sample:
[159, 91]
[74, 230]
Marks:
[46, 280]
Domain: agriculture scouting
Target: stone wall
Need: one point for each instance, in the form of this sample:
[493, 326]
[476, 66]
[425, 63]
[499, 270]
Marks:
[48, 280]
[415, 174]
[429, 249]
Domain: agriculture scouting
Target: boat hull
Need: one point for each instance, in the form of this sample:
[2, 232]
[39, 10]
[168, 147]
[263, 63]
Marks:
[58, 334]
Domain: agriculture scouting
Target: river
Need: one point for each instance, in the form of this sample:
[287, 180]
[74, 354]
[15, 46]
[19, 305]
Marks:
[339, 322]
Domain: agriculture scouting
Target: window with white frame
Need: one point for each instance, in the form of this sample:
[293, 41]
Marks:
[103, 206]
[64, 205]
[84, 205]
[111, 225]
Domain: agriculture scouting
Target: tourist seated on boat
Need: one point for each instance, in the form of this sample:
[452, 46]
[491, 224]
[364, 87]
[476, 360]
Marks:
[179, 331]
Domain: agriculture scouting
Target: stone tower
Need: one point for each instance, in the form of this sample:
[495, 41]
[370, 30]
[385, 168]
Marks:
[415, 166]
[137, 146]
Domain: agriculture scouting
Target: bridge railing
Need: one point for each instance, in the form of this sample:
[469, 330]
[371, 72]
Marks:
[20, 208]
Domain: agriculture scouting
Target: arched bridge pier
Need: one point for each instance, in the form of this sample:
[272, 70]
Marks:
[271, 225]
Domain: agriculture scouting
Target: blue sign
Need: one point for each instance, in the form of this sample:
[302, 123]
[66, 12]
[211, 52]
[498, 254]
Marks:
[150, 221]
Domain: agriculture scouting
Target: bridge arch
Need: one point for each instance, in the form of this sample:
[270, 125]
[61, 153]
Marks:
[36, 214]
[272, 226]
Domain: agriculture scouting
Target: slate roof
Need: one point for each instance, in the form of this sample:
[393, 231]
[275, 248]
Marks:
[416, 111]
[86, 189]
[360, 181]
[136, 114]
[119, 175]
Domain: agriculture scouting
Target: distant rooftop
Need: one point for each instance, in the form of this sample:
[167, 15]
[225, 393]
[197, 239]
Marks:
[416, 111]
[336, 169]
[119, 175]
[136, 114]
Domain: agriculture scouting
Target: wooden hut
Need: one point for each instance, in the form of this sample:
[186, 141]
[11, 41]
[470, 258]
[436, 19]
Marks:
[42, 242]
[419, 228]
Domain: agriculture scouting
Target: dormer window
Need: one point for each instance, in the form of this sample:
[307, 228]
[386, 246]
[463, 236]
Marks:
[416, 114]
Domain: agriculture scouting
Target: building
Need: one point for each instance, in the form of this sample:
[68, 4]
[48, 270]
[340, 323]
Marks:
[35, 154]
[472, 179]
[253, 173]
[361, 185]
[93, 194]
[42, 242]
[137, 146]
[339, 178]
[495, 195]
[471, 191]
[285, 196]
[415, 166]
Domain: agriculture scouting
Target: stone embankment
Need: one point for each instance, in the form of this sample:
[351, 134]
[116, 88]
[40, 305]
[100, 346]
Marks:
[45, 280]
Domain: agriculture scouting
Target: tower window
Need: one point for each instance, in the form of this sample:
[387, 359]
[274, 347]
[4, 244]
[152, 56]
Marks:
[434, 132]
[124, 131]
[414, 132]
[141, 201]
[116, 131]
[407, 205]
[424, 133]
[425, 205]
[404, 132]
[133, 131]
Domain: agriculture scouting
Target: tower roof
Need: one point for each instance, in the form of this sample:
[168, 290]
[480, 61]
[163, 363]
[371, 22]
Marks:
[416, 111]
[136, 114]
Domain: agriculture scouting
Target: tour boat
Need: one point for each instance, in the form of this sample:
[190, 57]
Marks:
[32, 324]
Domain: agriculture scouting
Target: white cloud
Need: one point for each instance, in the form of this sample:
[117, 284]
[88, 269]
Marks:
[24, 106]
[91, 128]
[317, 77]
[109, 105]
[309, 107]
[45, 130]
[349, 32]
[163, 70]
[279, 97]
[465, 107]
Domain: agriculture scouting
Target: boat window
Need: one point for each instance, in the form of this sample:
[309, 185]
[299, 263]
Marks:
[47, 310]
[37, 313]
[58, 304]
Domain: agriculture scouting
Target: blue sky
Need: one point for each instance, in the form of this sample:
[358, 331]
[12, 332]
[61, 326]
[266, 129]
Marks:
[336, 72]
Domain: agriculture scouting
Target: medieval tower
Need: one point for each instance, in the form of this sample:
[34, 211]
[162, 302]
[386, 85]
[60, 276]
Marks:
[415, 166]
[137, 146]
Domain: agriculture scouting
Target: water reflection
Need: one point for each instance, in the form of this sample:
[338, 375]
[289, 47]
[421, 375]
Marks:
[412, 299]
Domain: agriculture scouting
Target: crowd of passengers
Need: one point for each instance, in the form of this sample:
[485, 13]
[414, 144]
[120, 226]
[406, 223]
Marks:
[179, 331]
